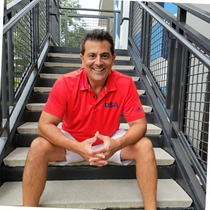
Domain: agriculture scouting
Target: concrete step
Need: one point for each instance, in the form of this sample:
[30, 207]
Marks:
[32, 128]
[68, 55]
[40, 106]
[79, 65]
[98, 194]
[56, 76]
[48, 89]
[18, 157]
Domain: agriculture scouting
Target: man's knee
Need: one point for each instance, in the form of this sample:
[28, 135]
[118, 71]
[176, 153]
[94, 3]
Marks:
[39, 149]
[144, 148]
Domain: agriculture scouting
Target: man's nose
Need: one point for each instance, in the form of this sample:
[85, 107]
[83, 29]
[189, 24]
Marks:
[98, 61]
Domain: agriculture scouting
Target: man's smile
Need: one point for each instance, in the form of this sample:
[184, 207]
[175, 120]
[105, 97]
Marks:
[98, 70]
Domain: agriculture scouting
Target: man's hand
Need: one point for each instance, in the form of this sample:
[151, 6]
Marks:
[88, 154]
[107, 150]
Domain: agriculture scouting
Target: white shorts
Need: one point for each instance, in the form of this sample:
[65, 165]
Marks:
[72, 157]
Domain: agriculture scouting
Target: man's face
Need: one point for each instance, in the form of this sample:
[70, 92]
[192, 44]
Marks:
[97, 61]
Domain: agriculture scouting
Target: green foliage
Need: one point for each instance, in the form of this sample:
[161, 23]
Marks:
[8, 1]
[75, 25]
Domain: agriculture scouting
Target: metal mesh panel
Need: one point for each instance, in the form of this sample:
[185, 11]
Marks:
[42, 21]
[22, 48]
[77, 26]
[158, 54]
[136, 24]
[92, 23]
[54, 24]
[196, 118]
[54, 28]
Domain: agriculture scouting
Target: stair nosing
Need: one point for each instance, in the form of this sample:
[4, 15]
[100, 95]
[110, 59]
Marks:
[77, 65]
[32, 128]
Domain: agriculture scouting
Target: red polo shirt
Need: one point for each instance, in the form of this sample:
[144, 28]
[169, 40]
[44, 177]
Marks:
[72, 99]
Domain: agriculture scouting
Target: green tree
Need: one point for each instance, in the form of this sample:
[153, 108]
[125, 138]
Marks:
[75, 25]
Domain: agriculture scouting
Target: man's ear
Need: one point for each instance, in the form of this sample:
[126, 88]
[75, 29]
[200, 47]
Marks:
[82, 58]
[113, 59]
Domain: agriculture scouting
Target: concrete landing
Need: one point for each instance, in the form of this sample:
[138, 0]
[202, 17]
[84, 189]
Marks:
[97, 194]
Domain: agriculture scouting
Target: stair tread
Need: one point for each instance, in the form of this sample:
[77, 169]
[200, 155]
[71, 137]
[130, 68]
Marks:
[39, 107]
[48, 89]
[32, 128]
[71, 55]
[56, 76]
[99, 194]
[78, 65]
[18, 157]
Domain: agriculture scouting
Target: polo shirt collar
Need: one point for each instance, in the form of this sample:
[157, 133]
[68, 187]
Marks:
[109, 86]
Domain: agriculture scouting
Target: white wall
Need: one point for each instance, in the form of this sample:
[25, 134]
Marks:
[200, 25]
[125, 26]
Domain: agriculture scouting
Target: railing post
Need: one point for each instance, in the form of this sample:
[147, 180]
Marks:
[35, 32]
[172, 43]
[10, 65]
[145, 37]
[178, 68]
[66, 30]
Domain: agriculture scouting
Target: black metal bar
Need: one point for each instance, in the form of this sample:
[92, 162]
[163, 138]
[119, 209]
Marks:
[170, 74]
[11, 7]
[96, 10]
[10, 64]
[19, 15]
[59, 22]
[195, 189]
[123, 19]
[66, 31]
[87, 16]
[191, 48]
[35, 32]
[198, 12]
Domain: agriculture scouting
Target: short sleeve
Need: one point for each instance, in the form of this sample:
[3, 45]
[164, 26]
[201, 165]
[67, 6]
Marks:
[133, 109]
[58, 99]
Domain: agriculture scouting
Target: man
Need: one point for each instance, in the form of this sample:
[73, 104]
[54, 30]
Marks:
[90, 101]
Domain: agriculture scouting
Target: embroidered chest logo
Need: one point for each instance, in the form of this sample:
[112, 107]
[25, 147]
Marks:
[111, 105]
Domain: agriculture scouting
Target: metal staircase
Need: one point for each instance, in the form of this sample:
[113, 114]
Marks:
[170, 67]
[80, 185]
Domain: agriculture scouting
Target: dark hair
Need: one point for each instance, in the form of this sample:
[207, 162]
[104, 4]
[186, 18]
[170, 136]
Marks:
[97, 35]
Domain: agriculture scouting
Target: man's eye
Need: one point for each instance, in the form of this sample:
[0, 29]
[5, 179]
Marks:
[91, 56]
[105, 56]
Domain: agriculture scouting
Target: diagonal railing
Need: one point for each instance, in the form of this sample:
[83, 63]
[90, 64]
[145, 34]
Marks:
[26, 38]
[176, 64]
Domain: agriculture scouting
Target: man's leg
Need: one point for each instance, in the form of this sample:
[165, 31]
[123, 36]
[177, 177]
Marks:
[35, 173]
[146, 170]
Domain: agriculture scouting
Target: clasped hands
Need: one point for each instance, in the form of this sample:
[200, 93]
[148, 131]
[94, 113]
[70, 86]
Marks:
[97, 157]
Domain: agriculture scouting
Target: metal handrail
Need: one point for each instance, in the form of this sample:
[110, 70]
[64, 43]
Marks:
[195, 11]
[191, 48]
[19, 15]
[94, 10]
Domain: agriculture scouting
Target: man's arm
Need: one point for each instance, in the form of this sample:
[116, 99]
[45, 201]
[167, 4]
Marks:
[48, 129]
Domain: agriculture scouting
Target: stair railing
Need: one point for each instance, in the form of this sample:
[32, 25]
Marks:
[174, 64]
[75, 24]
[26, 39]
